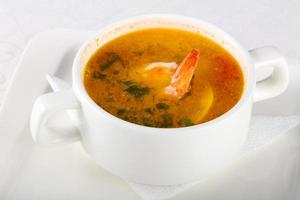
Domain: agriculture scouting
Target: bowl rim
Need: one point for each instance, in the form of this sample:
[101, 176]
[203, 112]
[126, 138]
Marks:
[84, 98]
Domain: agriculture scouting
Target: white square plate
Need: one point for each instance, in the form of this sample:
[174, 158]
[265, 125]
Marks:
[31, 172]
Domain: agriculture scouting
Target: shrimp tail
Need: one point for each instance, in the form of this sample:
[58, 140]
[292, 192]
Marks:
[181, 80]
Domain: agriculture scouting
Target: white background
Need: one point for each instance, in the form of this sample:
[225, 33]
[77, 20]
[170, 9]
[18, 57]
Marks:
[253, 23]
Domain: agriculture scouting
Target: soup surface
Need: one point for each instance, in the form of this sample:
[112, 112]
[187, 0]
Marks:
[134, 78]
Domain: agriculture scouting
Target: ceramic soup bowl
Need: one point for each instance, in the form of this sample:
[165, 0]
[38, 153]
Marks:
[159, 156]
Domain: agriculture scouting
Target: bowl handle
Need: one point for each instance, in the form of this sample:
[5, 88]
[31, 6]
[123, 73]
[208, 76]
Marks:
[44, 109]
[269, 61]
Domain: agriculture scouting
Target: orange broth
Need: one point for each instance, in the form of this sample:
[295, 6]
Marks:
[113, 78]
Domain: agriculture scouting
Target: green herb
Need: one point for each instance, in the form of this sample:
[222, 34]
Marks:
[167, 120]
[127, 83]
[186, 121]
[121, 111]
[99, 75]
[162, 106]
[130, 118]
[125, 117]
[148, 110]
[149, 122]
[146, 123]
[132, 88]
[137, 91]
[113, 58]
[105, 65]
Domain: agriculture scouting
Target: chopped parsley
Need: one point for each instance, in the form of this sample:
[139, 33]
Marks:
[167, 120]
[137, 91]
[99, 75]
[113, 58]
[121, 111]
[149, 122]
[162, 106]
[186, 122]
[148, 110]
[127, 83]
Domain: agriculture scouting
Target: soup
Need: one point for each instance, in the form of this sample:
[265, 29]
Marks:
[163, 77]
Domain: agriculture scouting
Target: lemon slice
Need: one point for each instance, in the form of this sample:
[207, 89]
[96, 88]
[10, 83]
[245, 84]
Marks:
[203, 103]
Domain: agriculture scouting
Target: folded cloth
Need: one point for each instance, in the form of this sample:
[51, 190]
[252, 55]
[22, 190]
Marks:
[263, 130]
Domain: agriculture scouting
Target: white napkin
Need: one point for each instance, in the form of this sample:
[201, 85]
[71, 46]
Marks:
[263, 130]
